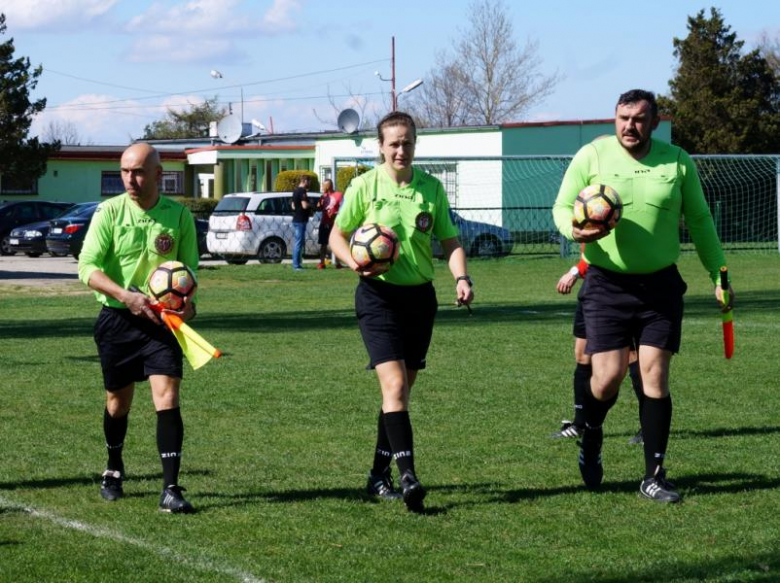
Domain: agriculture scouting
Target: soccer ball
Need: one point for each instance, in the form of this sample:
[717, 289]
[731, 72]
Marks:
[597, 205]
[170, 282]
[374, 247]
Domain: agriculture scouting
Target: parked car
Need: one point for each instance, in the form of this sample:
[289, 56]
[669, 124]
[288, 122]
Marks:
[23, 212]
[66, 233]
[258, 225]
[479, 239]
[31, 239]
[202, 229]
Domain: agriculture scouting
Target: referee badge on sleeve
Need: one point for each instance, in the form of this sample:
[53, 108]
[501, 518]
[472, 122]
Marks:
[423, 221]
[163, 243]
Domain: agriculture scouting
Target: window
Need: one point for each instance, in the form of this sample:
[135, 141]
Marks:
[13, 185]
[111, 184]
[172, 182]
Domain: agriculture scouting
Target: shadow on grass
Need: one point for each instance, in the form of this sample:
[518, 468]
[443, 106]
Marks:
[94, 479]
[726, 431]
[37, 275]
[308, 495]
[694, 485]
[312, 320]
[758, 568]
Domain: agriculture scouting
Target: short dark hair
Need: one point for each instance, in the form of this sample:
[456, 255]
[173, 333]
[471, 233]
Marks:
[636, 95]
[395, 118]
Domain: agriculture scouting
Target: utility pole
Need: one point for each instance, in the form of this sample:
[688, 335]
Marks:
[392, 74]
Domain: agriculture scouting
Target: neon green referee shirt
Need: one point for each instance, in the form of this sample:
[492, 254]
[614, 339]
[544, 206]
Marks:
[127, 243]
[656, 192]
[415, 212]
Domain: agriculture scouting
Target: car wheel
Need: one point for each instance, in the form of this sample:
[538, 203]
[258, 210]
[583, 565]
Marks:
[33, 254]
[486, 246]
[5, 247]
[272, 251]
[236, 261]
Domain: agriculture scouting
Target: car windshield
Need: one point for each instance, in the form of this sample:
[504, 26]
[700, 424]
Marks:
[233, 204]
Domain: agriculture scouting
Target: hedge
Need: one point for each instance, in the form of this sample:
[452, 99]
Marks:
[288, 180]
[345, 175]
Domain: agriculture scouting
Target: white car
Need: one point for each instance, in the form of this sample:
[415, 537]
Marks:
[258, 225]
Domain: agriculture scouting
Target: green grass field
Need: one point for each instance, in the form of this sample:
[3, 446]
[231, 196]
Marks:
[279, 436]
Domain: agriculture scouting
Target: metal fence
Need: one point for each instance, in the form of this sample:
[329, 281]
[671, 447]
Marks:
[503, 206]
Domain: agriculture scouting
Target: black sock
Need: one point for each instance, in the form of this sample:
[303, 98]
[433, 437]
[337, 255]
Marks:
[383, 454]
[656, 425]
[636, 382]
[115, 429]
[582, 374]
[399, 432]
[170, 436]
[595, 410]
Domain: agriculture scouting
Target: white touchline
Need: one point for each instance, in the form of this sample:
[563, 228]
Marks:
[98, 532]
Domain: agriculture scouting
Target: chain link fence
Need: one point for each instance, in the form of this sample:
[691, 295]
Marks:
[503, 206]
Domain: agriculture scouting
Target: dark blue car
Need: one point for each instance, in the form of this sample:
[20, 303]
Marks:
[66, 233]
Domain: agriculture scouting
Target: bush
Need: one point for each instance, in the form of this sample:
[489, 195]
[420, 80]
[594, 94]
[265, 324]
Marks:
[345, 175]
[288, 180]
[200, 208]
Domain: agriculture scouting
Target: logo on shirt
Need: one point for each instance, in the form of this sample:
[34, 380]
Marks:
[424, 221]
[163, 243]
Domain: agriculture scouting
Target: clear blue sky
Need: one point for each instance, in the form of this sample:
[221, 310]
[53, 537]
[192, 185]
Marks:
[112, 66]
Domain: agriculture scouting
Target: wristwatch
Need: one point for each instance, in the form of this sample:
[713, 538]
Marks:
[465, 278]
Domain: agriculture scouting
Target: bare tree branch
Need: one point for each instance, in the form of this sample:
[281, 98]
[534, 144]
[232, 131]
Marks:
[65, 131]
[486, 79]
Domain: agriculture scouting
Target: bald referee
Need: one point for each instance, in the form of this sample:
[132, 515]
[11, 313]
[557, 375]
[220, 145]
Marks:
[633, 288]
[129, 236]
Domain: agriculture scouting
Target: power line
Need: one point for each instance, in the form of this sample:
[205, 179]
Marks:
[86, 107]
[207, 90]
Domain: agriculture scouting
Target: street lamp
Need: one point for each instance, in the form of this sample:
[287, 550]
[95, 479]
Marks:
[411, 87]
[217, 75]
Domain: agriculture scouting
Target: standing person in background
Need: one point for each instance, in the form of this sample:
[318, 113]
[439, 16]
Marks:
[301, 213]
[329, 203]
[633, 289]
[396, 310]
[582, 369]
[129, 236]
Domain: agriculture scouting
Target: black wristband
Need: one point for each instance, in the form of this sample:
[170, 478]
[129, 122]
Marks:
[465, 278]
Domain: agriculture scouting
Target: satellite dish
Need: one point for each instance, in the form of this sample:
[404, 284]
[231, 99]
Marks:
[348, 121]
[229, 129]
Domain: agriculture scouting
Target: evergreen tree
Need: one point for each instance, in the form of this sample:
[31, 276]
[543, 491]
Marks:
[192, 123]
[721, 100]
[22, 159]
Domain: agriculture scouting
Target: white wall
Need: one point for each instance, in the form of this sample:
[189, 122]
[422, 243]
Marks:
[479, 183]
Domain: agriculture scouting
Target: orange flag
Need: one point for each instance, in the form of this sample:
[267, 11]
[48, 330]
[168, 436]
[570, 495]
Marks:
[197, 350]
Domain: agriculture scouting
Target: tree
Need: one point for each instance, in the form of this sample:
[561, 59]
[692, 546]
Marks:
[721, 100]
[770, 49]
[486, 78]
[192, 123]
[64, 132]
[441, 101]
[22, 159]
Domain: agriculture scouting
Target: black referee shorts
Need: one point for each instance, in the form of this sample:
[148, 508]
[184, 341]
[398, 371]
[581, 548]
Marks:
[396, 321]
[132, 348]
[622, 309]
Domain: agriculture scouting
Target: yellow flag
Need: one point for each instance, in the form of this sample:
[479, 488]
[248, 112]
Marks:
[197, 350]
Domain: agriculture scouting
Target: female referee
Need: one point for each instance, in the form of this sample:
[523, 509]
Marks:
[396, 309]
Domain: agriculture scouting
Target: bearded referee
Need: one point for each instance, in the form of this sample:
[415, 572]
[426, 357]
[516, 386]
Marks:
[633, 288]
[129, 236]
